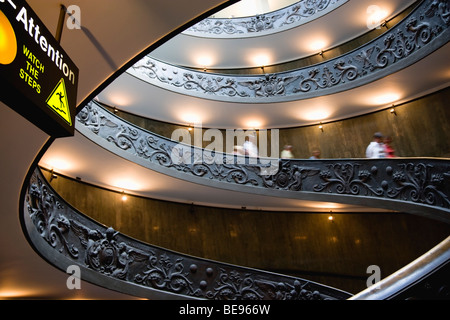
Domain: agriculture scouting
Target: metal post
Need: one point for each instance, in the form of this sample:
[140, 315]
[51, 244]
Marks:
[59, 28]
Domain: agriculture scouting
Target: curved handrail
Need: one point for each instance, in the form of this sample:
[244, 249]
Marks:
[292, 16]
[413, 185]
[419, 34]
[397, 285]
[64, 237]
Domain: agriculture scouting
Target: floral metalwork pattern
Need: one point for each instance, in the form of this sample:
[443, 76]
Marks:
[71, 235]
[161, 151]
[292, 16]
[416, 181]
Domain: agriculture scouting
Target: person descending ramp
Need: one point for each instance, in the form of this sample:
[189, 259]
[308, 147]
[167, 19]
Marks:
[58, 101]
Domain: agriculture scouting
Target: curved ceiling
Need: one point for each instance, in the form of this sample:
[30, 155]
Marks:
[252, 7]
[130, 94]
[334, 28]
[136, 96]
[345, 23]
[98, 49]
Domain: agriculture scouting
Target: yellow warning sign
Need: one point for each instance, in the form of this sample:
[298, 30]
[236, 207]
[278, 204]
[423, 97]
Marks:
[59, 103]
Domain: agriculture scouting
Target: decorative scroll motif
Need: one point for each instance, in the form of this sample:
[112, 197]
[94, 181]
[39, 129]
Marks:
[347, 179]
[154, 71]
[163, 273]
[160, 151]
[398, 48]
[104, 253]
[418, 182]
[53, 226]
[290, 177]
[423, 182]
[292, 16]
[235, 286]
[269, 86]
[71, 235]
[322, 78]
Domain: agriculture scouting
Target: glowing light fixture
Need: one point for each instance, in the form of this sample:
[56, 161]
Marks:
[385, 98]
[192, 119]
[14, 293]
[254, 124]
[318, 46]
[126, 184]
[120, 99]
[261, 60]
[316, 114]
[204, 61]
[376, 17]
[58, 164]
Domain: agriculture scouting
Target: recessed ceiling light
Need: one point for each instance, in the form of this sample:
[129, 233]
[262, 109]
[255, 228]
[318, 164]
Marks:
[375, 16]
[204, 61]
[253, 124]
[192, 119]
[316, 114]
[317, 45]
[57, 164]
[385, 98]
[260, 59]
[126, 184]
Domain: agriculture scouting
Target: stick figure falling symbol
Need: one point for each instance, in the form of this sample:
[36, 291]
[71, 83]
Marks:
[61, 103]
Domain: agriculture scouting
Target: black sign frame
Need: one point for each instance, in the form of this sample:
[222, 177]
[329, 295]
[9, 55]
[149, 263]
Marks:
[41, 81]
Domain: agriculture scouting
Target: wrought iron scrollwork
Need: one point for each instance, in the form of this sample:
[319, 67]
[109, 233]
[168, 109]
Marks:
[46, 212]
[416, 181]
[347, 179]
[163, 273]
[162, 151]
[290, 176]
[292, 16]
[71, 235]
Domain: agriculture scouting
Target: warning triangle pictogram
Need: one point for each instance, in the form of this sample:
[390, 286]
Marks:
[58, 102]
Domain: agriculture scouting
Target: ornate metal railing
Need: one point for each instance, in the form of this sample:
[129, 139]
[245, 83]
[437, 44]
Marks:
[423, 31]
[426, 278]
[292, 16]
[65, 237]
[414, 185]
